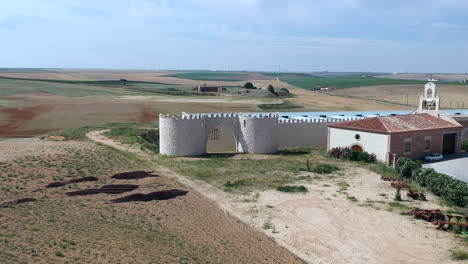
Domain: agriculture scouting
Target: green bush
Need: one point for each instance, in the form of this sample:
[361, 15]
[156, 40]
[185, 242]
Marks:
[459, 255]
[406, 166]
[451, 189]
[464, 145]
[325, 168]
[363, 156]
[236, 183]
[354, 155]
[294, 189]
[249, 85]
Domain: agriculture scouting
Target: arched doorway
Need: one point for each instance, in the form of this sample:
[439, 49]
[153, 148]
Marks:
[357, 148]
[221, 140]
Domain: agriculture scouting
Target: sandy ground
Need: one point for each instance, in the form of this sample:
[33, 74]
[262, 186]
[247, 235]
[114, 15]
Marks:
[323, 226]
[15, 148]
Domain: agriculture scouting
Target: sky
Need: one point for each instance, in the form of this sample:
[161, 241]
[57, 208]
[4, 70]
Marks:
[254, 35]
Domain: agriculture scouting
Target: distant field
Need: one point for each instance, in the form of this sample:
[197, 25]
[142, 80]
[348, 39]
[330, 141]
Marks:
[452, 96]
[308, 82]
[12, 86]
[24, 70]
[425, 76]
[222, 76]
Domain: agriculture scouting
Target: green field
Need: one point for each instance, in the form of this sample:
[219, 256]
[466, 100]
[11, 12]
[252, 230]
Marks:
[308, 81]
[210, 76]
[113, 88]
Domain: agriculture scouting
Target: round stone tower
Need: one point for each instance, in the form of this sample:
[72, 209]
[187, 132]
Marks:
[182, 136]
[259, 133]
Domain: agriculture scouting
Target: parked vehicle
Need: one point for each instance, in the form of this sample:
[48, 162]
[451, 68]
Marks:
[434, 157]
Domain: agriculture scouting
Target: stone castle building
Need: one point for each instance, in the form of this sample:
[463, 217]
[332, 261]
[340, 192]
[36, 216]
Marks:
[196, 134]
[189, 134]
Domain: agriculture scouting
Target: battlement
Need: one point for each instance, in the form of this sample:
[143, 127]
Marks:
[307, 121]
[186, 116]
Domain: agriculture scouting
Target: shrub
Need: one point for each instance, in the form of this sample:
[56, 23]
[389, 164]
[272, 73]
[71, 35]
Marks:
[354, 155]
[372, 158]
[325, 168]
[451, 189]
[271, 89]
[294, 189]
[406, 166]
[347, 153]
[59, 254]
[236, 183]
[459, 255]
[249, 85]
[363, 156]
[464, 145]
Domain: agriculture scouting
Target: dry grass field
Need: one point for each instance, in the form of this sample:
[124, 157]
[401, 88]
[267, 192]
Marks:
[327, 102]
[452, 96]
[425, 76]
[31, 108]
[36, 114]
[104, 75]
[58, 228]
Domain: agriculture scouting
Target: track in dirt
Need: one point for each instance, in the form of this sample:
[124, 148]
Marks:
[108, 189]
[16, 202]
[63, 183]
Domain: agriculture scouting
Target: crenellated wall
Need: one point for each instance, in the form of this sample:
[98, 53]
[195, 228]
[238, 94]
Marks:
[305, 133]
[188, 134]
[259, 133]
[182, 136]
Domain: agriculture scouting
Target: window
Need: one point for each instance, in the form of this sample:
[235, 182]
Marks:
[215, 134]
[244, 123]
[407, 142]
[357, 136]
[427, 143]
[408, 147]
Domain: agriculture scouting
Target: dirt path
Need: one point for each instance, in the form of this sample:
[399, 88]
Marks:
[98, 136]
[322, 226]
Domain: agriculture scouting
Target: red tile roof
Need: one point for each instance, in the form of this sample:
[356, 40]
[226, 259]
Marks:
[395, 124]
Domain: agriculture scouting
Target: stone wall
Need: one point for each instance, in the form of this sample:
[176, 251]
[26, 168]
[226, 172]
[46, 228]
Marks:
[188, 134]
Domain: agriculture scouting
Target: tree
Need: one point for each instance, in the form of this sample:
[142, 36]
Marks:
[271, 89]
[249, 85]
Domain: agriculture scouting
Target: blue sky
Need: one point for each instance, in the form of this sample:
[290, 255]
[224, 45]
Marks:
[298, 35]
